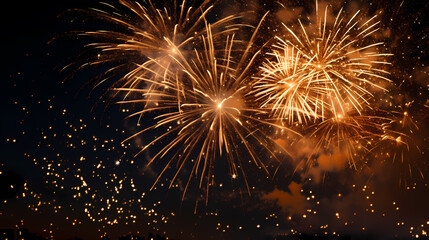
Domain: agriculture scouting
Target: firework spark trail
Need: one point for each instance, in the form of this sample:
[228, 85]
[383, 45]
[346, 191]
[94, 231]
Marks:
[213, 116]
[141, 39]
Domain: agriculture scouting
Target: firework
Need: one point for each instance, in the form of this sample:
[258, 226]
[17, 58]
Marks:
[323, 72]
[323, 78]
[399, 144]
[140, 39]
[353, 135]
[286, 89]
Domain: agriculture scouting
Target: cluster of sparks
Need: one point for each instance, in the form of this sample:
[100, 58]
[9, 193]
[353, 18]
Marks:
[194, 86]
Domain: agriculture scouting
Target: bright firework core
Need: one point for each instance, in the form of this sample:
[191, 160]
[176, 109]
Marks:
[232, 102]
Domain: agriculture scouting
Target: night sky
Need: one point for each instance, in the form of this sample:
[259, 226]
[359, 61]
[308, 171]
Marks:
[64, 172]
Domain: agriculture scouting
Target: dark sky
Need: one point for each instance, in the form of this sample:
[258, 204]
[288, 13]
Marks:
[65, 173]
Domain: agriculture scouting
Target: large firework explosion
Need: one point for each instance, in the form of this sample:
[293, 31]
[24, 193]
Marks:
[197, 82]
[323, 78]
[341, 58]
